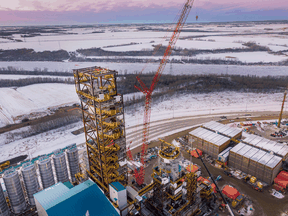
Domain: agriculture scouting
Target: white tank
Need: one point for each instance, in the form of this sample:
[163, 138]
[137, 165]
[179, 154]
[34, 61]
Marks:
[30, 181]
[14, 191]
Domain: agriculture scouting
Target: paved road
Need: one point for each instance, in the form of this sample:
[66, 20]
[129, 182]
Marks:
[170, 126]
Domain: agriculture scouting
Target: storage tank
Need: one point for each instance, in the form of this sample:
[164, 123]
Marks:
[60, 166]
[30, 181]
[73, 161]
[14, 191]
[4, 210]
[46, 172]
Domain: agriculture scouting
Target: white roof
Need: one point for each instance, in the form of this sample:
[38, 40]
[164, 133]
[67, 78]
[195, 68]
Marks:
[256, 157]
[224, 129]
[284, 151]
[277, 147]
[216, 139]
[255, 141]
[274, 161]
[244, 150]
[266, 158]
[236, 148]
[263, 142]
[250, 153]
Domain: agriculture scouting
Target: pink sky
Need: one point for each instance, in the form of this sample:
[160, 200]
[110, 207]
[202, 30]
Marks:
[97, 11]
[100, 5]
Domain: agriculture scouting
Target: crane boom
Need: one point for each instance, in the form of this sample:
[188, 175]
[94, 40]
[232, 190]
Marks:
[281, 113]
[148, 91]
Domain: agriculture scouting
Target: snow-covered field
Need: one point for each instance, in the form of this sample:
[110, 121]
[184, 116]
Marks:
[37, 99]
[176, 68]
[249, 57]
[33, 98]
[190, 106]
[18, 77]
[42, 143]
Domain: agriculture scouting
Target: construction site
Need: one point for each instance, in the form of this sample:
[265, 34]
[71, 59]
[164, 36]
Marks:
[225, 166]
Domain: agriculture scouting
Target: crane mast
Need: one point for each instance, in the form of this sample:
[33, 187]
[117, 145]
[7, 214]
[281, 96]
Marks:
[282, 107]
[148, 91]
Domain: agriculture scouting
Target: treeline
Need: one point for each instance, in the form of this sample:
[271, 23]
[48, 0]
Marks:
[37, 71]
[40, 128]
[182, 61]
[53, 124]
[33, 80]
[31, 55]
[169, 84]
[159, 51]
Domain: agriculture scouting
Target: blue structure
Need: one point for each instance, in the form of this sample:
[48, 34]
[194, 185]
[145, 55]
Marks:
[118, 186]
[60, 200]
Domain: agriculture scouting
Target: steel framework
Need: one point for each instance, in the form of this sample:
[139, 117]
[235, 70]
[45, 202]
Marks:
[147, 91]
[104, 125]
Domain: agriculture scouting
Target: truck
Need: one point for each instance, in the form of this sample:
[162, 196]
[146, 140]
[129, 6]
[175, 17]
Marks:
[252, 180]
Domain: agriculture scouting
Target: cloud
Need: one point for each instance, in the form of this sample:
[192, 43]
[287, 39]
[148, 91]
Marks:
[112, 5]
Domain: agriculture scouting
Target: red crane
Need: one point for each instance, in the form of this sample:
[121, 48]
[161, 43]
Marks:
[139, 174]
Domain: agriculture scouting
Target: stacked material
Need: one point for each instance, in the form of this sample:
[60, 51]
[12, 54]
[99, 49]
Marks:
[272, 168]
[233, 133]
[255, 162]
[246, 159]
[233, 151]
[282, 180]
[209, 142]
[267, 145]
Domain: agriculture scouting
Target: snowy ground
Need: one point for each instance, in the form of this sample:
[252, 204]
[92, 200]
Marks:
[249, 57]
[43, 143]
[134, 67]
[18, 77]
[190, 106]
[33, 98]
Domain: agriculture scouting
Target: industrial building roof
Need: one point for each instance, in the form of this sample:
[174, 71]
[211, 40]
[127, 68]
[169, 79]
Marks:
[209, 136]
[244, 150]
[267, 145]
[221, 128]
[250, 153]
[283, 151]
[60, 200]
[266, 158]
[236, 148]
[274, 161]
[118, 186]
[256, 157]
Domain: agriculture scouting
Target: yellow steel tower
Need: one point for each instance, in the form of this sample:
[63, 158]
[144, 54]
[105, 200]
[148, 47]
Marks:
[104, 125]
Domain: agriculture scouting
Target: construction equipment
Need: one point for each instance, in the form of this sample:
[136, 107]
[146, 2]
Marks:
[256, 185]
[4, 165]
[282, 107]
[148, 91]
[218, 189]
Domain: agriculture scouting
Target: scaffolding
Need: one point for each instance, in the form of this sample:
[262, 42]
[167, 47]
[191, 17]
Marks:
[104, 125]
[173, 190]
